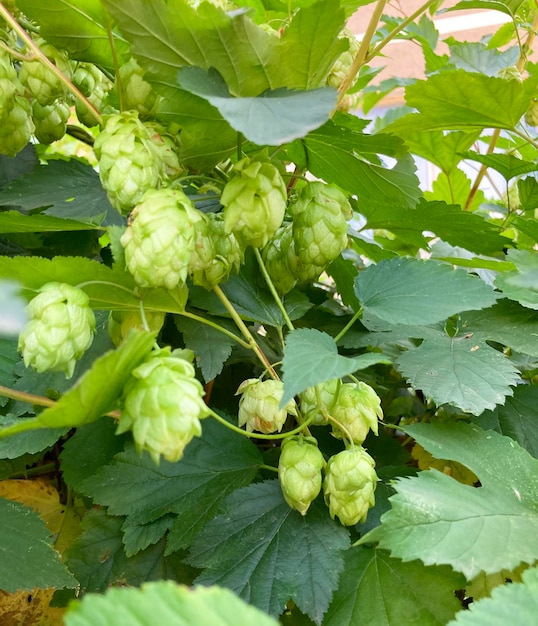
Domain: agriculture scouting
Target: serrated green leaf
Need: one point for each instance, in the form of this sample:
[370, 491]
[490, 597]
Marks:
[517, 418]
[213, 465]
[77, 26]
[476, 56]
[273, 118]
[441, 521]
[139, 537]
[268, 553]
[29, 442]
[311, 357]
[509, 604]
[9, 357]
[367, 592]
[165, 603]
[349, 159]
[460, 100]
[15, 222]
[96, 392]
[455, 188]
[412, 291]
[28, 559]
[66, 189]
[507, 165]
[211, 347]
[12, 168]
[459, 371]
[522, 284]
[509, 7]
[528, 193]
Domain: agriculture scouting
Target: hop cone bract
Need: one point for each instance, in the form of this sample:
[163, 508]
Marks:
[60, 329]
[163, 406]
[299, 471]
[349, 485]
[40, 80]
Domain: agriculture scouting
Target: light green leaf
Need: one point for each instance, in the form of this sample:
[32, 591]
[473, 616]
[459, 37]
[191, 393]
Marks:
[528, 193]
[509, 7]
[442, 149]
[507, 165]
[521, 285]
[77, 26]
[165, 603]
[96, 392]
[416, 292]
[509, 604]
[478, 57]
[367, 592]
[460, 371]
[214, 465]
[455, 188]
[28, 558]
[311, 357]
[273, 118]
[441, 521]
[459, 100]
[15, 222]
[268, 553]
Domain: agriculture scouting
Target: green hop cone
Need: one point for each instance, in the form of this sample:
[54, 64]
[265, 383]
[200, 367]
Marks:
[94, 85]
[138, 94]
[60, 329]
[259, 405]
[531, 115]
[254, 201]
[42, 83]
[130, 161]
[280, 260]
[203, 254]
[349, 485]
[299, 471]
[10, 86]
[320, 401]
[159, 241]
[50, 121]
[357, 408]
[120, 323]
[228, 252]
[343, 63]
[16, 127]
[320, 217]
[163, 406]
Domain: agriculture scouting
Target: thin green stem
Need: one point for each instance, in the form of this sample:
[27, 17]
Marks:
[340, 426]
[41, 470]
[362, 54]
[245, 332]
[268, 467]
[344, 330]
[216, 326]
[38, 55]
[272, 289]
[105, 282]
[245, 433]
[402, 26]
[143, 316]
[22, 396]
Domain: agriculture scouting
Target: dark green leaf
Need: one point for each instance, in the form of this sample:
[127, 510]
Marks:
[9, 357]
[460, 371]
[412, 291]
[28, 559]
[29, 442]
[23, 163]
[367, 592]
[268, 553]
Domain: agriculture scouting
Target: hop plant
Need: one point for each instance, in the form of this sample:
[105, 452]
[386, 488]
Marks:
[50, 121]
[349, 485]
[42, 83]
[280, 260]
[320, 400]
[228, 252]
[159, 241]
[343, 63]
[94, 85]
[16, 127]
[10, 86]
[259, 405]
[131, 162]
[120, 323]
[203, 253]
[254, 201]
[60, 329]
[163, 405]
[319, 228]
[357, 408]
[138, 94]
[531, 115]
[299, 471]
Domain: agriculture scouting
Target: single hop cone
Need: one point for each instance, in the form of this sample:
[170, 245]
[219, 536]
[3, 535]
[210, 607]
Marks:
[159, 241]
[320, 401]
[280, 260]
[259, 405]
[203, 253]
[254, 201]
[121, 323]
[138, 94]
[343, 63]
[50, 121]
[163, 406]
[228, 252]
[320, 217]
[299, 471]
[349, 485]
[42, 83]
[10, 86]
[130, 162]
[60, 329]
[531, 115]
[357, 408]
[94, 85]
[16, 127]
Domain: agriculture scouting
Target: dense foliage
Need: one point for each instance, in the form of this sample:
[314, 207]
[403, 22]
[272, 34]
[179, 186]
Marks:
[258, 353]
